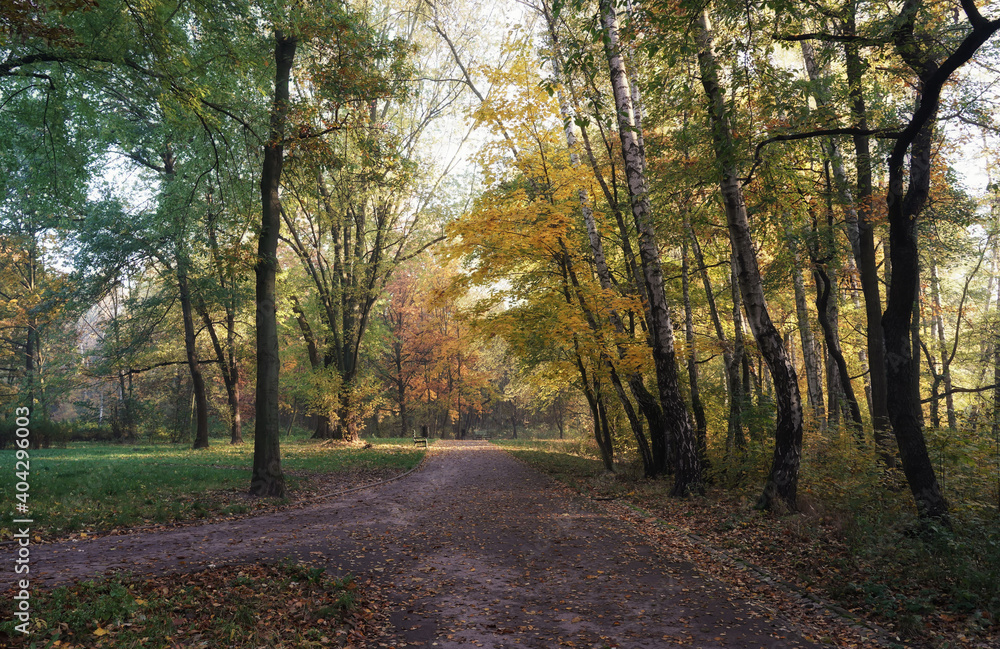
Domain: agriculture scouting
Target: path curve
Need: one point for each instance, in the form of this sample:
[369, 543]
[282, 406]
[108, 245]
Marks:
[477, 549]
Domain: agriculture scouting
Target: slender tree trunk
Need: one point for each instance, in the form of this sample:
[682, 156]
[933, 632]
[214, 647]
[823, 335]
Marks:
[268, 479]
[603, 433]
[228, 362]
[865, 247]
[687, 476]
[995, 427]
[646, 402]
[862, 350]
[809, 359]
[824, 288]
[191, 352]
[782, 483]
[31, 341]
[229, 379]
[316, 362]
[731, 354]
[570, 279]
[942, 347]
[404, 426]
[741, 367]
[701, 424]
[860, 234]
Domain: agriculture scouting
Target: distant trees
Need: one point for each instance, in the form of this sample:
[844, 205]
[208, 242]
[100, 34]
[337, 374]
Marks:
[643, 170]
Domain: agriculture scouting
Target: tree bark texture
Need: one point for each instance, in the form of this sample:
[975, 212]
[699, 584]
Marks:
[267, 478]
[687, 475]
[904, 208]
[191, 353]
[782, 482]
[810, 359]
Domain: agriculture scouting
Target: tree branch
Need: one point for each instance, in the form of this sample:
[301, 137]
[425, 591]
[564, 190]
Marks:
[165, 364]
[833, 38]
[957, 390]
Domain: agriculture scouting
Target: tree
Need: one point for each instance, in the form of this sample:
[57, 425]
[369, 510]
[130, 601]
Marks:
[905, 202]
[687, 477]
[357, 213]
[267, 479]
[782, 482]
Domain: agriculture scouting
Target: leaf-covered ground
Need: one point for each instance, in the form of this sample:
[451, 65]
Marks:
[280, 606]
[475, 549]
[821, 556]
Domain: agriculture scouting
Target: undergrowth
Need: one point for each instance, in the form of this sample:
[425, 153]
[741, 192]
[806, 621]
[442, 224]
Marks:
[855, 538]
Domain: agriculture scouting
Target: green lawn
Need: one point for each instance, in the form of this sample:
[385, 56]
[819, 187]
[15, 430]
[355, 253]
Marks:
[92, 488]
[570, 461]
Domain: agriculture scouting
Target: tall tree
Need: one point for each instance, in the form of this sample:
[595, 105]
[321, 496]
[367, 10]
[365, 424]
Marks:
[267, 478]
[687, 476]
[905, 201]
[782, 481]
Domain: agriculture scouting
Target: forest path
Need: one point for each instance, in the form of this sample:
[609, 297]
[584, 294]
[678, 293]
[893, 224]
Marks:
[474, 549]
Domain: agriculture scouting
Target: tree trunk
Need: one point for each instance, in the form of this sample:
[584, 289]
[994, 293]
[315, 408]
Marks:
[267, 478]
[995, 428]
[809, 358]
[346, 428]
[316, 362]
[865, 248]
[824, 288]
[858, 209]
[904, 399]
[942, 347]
[570, 279]
[229, 378]
[687, 476]
[782, 483]
[229, 362]
[30, 344]
[701, 424]
[646, 402]
[732, 354]
[904, 209]
[604, 433]
[191, 352]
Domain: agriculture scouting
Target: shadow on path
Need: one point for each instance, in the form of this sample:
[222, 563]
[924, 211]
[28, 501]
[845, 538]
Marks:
[475, 550]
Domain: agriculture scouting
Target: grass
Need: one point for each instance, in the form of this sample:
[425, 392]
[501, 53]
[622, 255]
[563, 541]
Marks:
[282, 606]
[569, 461]
[856, 540]
[91, 488]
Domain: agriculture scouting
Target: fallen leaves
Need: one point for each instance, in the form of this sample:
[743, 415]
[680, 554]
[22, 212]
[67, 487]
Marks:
[283, 606]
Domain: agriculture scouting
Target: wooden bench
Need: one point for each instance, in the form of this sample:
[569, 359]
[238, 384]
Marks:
[419, 440]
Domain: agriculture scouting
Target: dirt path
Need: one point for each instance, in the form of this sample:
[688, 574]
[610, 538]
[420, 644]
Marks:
[477, 550]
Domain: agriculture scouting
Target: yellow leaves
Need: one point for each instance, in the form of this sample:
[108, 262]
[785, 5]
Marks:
[100, 631]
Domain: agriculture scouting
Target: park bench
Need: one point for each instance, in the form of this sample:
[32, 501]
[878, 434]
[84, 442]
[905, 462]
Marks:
[419, 440]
